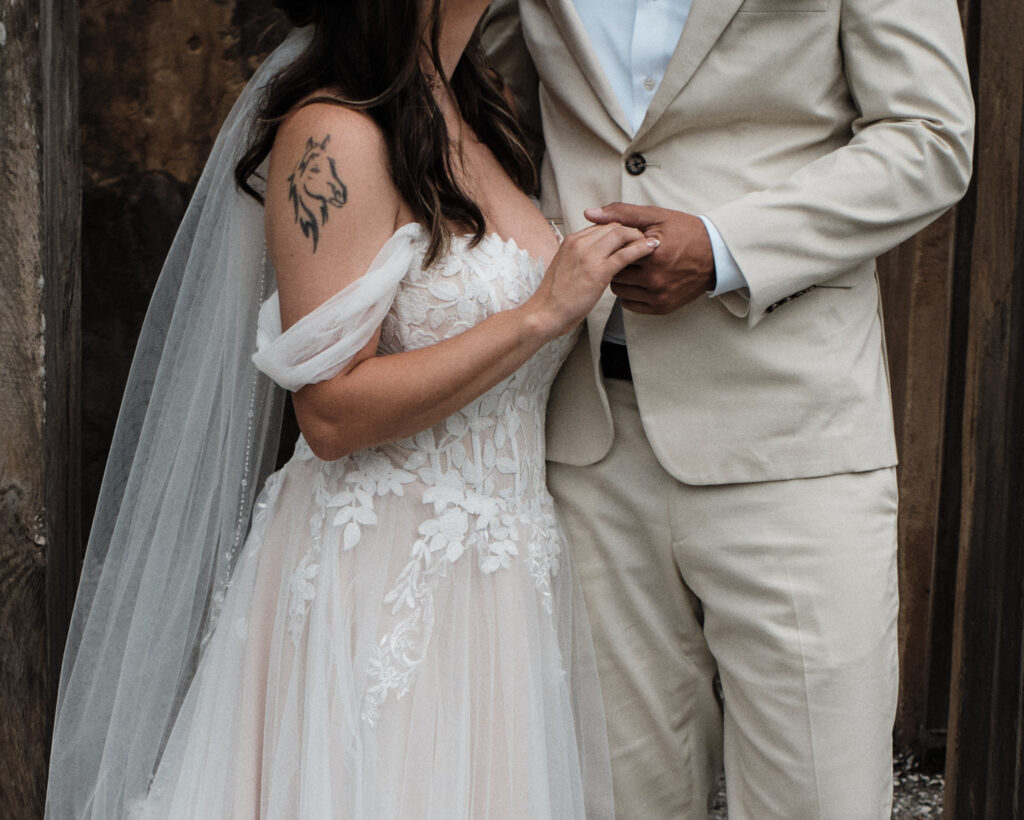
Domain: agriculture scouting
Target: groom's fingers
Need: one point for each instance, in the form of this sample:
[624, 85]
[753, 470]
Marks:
[639, 307]
[635, 216]
[629, 294]
[638, 276]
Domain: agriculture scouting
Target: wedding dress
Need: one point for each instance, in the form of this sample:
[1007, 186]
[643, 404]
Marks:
[402, 636]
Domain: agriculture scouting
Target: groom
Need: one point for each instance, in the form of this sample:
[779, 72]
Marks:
[721, 437]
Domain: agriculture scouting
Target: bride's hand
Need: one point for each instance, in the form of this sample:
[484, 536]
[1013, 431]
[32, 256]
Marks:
[580, 272]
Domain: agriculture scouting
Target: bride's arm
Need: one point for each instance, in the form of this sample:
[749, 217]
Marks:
[317, 251]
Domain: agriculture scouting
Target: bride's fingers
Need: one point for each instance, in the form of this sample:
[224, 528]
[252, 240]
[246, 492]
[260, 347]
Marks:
[613, 242]
[586, 231]
[630, 253]
[611, 237]
[604, 238]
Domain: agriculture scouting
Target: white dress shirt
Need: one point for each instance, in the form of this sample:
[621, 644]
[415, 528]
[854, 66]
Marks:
[634, 40]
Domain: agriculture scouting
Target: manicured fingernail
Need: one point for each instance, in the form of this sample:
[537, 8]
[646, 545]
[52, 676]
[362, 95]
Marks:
[589, 212]
[653, 243]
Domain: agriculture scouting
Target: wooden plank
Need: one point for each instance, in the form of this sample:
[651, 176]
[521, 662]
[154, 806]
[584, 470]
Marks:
[39, 220]
[61, 252]
[22, 521]
[947, 548]
[986, 752]
[925, 337]
[916, 286]
[22, 529]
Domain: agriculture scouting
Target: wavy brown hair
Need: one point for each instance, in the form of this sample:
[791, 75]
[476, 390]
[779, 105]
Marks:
[372, 62]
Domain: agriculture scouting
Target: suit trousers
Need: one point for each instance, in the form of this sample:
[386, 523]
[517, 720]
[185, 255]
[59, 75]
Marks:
[784, 591]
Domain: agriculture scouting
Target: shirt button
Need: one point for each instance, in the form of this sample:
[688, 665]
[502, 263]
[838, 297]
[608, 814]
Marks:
[636, 164]
[648, 84]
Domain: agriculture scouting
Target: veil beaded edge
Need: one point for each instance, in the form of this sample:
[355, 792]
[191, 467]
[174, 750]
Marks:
[195, 438]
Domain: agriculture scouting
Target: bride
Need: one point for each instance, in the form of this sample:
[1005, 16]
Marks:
[392, 629]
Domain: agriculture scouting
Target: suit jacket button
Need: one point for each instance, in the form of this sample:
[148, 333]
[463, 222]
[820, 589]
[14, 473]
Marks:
[636, 164]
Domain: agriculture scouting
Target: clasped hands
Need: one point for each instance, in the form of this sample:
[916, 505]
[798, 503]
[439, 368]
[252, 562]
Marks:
[680, 269]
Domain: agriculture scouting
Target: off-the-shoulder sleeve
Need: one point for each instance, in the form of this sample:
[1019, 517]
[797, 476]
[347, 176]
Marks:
[322, 342]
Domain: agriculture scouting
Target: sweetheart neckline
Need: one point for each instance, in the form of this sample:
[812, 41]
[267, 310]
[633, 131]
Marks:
[492, 236]
[270, 312]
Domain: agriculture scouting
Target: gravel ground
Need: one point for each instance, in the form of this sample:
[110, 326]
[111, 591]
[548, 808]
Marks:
[917, 793]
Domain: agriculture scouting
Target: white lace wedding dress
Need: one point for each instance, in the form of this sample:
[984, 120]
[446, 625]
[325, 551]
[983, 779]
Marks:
[403, 635]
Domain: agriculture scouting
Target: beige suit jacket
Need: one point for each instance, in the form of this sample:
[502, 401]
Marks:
[815, 134]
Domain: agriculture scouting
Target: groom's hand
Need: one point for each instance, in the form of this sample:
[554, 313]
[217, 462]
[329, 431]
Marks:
[681, 269]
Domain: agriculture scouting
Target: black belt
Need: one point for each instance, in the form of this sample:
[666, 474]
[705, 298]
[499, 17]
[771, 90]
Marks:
[615, 362]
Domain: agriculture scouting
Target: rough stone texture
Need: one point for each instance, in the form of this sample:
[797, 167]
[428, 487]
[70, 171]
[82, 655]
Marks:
[158, 78]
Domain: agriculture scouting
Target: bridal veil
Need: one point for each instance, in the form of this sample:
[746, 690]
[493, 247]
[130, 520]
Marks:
[196, 436]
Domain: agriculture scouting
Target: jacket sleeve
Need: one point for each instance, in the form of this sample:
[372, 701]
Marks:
[908, 159]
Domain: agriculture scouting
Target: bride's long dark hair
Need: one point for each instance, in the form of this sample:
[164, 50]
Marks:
[372, 61]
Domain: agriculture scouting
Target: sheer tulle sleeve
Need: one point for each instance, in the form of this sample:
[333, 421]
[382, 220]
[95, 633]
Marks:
[321, 343]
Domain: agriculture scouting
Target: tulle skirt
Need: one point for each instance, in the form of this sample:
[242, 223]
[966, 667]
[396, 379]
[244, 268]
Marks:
[322, 695]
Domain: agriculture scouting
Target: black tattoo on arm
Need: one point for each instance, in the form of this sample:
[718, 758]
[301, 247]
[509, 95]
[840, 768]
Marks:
[313, 187]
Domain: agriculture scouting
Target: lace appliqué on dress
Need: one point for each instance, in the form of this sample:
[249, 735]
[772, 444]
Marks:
[479, 474]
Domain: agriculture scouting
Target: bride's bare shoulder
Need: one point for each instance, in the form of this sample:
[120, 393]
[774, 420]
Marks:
[345, 128]
[322, 150]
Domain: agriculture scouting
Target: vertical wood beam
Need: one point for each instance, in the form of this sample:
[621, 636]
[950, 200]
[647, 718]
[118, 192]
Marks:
[924, 338]
[916, 283]
[985, 758]
[23, 667]
[61, 254]
[39, 219]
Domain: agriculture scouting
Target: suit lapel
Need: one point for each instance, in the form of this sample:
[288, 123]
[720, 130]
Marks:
[707, 21]
[574, 34]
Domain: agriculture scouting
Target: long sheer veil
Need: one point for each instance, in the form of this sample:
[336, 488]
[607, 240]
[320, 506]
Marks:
[195, 438]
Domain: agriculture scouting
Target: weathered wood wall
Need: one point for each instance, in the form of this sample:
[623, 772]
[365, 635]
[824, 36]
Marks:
[39, 355]
[157, 81]
[924, 340]
[985, 760]
[916, 283]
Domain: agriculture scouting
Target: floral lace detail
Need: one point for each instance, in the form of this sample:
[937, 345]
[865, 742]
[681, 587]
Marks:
[479, 473]
[374, 475]
[463, 475]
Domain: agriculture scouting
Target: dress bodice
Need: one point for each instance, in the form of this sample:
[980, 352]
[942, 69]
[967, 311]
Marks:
[496, 443]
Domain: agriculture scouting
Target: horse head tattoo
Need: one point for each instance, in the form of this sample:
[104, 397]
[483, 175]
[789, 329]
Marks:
[313, 187]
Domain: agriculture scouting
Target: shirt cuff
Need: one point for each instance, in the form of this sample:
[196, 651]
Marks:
[728, 276]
